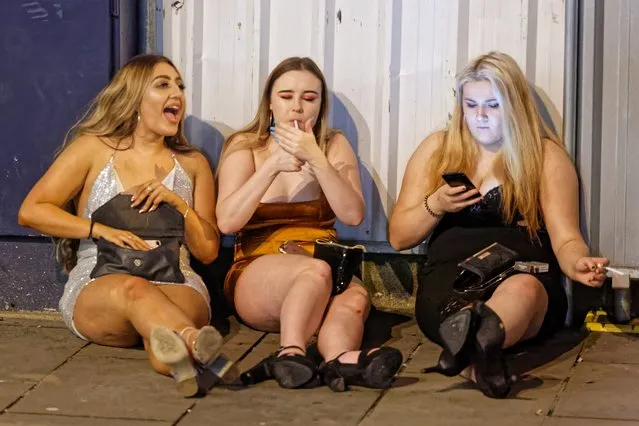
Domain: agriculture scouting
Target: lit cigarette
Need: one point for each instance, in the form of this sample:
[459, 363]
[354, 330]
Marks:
[614, 270]
[296, 126]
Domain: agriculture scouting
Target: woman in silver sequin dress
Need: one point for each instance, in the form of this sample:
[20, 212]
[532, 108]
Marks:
[131, 140]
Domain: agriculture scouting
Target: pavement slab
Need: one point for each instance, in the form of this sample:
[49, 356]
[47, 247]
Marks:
[612, 348]
[601, 391]
[53, 420]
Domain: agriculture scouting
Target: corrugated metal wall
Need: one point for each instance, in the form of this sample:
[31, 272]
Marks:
[390, 65]
[607, 149]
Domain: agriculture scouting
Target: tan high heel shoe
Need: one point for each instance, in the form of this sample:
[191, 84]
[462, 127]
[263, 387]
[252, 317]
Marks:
[170, 349]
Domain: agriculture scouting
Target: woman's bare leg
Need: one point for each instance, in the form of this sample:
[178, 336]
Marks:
[116, 310]
[343, 327]
[284, 293]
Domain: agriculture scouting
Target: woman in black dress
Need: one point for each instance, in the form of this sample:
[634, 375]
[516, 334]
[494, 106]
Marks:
[526, 199]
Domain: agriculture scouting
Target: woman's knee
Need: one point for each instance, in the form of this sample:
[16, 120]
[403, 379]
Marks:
[134, 288]
[319, 272]
[525, 286]
[355, 299]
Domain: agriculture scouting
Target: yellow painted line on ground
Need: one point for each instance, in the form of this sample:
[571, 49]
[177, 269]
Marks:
[598, 321]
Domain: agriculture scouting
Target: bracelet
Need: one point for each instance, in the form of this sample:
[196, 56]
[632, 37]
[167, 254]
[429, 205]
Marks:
[91, 229]
[432, 213]
[188, 208]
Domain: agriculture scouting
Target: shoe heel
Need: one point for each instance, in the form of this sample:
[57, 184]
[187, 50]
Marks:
[207, 345]
[455, 329]
[338, 384]
[168, 348]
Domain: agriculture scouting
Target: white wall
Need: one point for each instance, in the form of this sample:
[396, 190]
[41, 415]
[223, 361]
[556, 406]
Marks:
[390, 64]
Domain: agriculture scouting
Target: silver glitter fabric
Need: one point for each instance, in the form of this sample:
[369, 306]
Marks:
[106, 186]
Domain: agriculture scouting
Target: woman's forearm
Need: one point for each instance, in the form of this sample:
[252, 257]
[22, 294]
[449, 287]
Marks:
[569, 253]
[409, 227]
[346, 202]
[202, 238]
[236, 210]
[52, 220]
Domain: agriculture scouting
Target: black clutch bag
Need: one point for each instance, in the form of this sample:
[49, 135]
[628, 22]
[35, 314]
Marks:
[344, 261]
[483, 271]
[165, 225]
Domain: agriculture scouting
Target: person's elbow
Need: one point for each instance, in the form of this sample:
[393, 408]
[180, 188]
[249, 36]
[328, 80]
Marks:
[26, 215]
[227, 225]
[354, 216]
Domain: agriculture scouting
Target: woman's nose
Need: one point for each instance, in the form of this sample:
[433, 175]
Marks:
[481, 113]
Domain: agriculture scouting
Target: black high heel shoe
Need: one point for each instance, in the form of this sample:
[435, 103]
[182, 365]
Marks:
[490, 367]
[372, 370]
[448, 365]
[479, 334]
[290, 370]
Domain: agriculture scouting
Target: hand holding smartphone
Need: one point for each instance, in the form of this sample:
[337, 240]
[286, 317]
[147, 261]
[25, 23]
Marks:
[455, 179]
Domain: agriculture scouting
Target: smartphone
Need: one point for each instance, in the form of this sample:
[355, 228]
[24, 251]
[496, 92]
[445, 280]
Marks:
[153, 243]
[455, 179]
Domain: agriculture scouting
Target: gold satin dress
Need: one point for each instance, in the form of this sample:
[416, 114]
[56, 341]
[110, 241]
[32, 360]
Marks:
[271, 225]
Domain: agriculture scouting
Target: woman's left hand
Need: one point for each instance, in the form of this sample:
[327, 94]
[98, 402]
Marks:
[590, 271]
[150, 194]
[298, 142]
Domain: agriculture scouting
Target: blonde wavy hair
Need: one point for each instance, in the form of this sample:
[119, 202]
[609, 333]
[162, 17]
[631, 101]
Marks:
[113, 116]
[255, 134]
[520, 159]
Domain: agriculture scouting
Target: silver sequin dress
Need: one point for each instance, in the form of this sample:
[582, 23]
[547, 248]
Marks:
[106, 186]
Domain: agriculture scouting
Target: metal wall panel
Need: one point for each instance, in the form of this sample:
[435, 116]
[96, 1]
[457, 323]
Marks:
[608, 98]
[390, 65]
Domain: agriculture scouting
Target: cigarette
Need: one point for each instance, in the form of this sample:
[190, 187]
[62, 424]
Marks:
[614, 271]
[295, 121]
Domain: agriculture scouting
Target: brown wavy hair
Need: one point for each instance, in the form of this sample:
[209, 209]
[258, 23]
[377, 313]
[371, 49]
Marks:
[113, 116]
[256, 133]
[520, 159]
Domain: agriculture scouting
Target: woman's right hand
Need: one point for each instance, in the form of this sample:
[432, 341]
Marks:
[119, 237]
[449, 199]
[282, 161]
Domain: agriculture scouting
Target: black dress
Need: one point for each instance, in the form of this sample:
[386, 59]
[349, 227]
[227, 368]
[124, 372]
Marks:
[460, 235]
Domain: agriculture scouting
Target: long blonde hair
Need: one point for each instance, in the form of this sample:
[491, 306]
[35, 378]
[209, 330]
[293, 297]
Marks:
[256, 133]
[113, 116]
[520, 159]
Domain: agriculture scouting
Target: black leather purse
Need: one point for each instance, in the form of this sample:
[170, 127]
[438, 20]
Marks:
[481, 273]
[344, 261]
[165, 224]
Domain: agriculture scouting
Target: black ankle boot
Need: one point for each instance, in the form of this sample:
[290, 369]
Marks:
[490, 367]
[458, 337]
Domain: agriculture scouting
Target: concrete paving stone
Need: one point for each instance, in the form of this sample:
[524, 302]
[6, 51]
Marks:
[30, 353]
[454, 400]
[106, 387]
[98, 351]
[55, 420]
[268, 404]
[601, 391]
[613, 348]
[577, 421]
[10, 391]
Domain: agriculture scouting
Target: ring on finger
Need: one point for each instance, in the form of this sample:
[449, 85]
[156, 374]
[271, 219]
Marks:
[148, 188]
